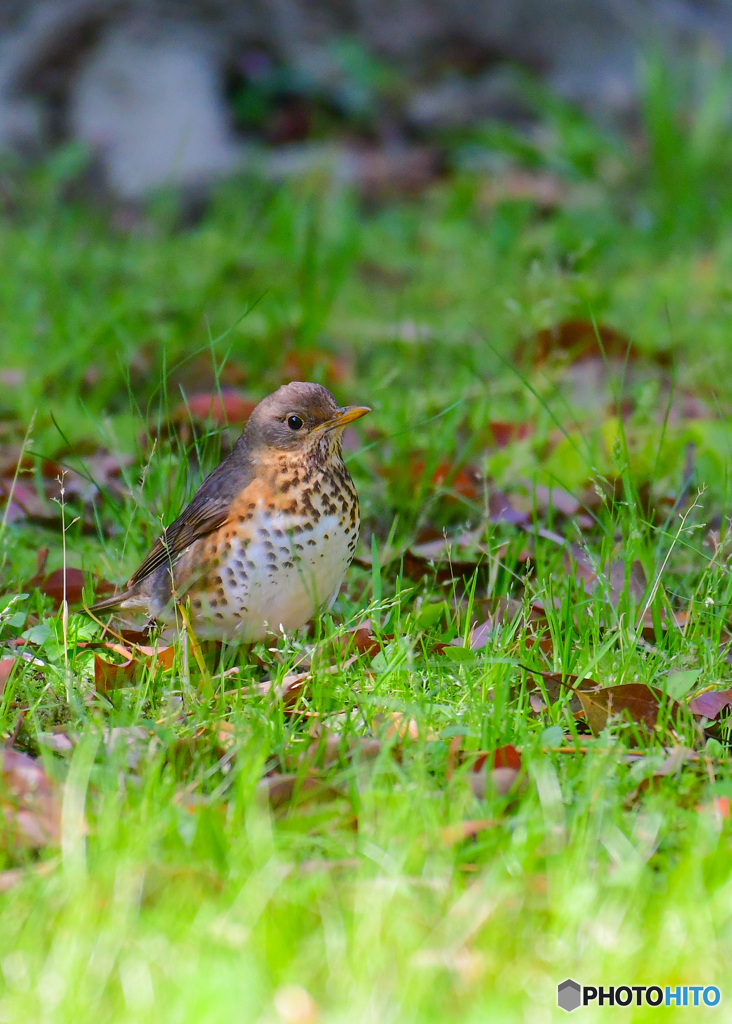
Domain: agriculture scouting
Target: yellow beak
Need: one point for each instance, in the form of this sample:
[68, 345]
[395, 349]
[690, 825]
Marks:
[347, 415]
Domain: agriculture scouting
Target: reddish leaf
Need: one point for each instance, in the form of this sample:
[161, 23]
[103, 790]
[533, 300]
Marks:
[507, 757]
[711, 703]
[14, 876]
[502, 509]
[555, 497]
[53, 585]
[281, 788]
[506, 433]
[720, 805]
[30, 811]
[288, 690]
[506, 762]
[466, 829]
[578, 339]
[312, 363]
[111, 675]
[636, 701]
[26, 502]
[228, 407]
[596, 574]
[361, 639]
[6, 667]
[543, 188]
[466, 481]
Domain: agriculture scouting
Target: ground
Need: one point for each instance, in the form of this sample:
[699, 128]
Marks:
[406, 813]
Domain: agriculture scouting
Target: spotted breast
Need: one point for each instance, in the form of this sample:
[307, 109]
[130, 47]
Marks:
[282, 555]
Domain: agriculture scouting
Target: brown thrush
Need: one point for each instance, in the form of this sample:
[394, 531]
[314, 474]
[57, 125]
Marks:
[266, 541]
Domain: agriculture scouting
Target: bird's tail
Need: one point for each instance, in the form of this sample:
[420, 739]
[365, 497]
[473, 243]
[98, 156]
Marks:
[110, 602]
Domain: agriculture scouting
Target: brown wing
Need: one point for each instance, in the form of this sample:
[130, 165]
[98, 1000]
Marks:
[208, 510]
[194, 522]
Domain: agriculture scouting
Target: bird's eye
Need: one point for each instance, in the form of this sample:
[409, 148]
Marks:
[294, 422]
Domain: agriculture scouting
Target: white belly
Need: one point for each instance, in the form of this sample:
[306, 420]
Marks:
[278, 579]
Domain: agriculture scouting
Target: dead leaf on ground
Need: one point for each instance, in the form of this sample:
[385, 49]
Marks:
[53, 585]
[544, 189]
[711, 703]
[635, 701]
[6, 667]
[452, 834]
[227, 407]
[30, 809]
[362, 640]
[505, 767]
[110, 675]
[577, 341]
[504, 434]
[313, 363]
[282, 787]
[295, 1005]
[14, 876]
[595, 574]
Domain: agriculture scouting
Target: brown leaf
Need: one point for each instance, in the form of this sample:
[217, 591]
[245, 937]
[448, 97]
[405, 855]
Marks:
[543, 188]
[228, 407]
[711, 703]
[452, 834]
[25, 502]
[506, 767]
[53, 585]
[6, 667]
[555, 497]
[578, 340]
[30, 811]
[362, 640]
[289, 689]
[467, 481]
[506, 433]
[502, 509]
[579, 564]
[14, 876]
[401, 727]
[281, 787]
[636, 701]
[316, 364]
[110, 675]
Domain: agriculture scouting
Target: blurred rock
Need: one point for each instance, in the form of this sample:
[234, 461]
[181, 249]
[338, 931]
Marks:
[147, 102]
[142, 82]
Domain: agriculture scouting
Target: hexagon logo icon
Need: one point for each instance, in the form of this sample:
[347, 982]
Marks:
[569, 995]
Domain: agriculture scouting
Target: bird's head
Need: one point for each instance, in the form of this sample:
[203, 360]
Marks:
[300, 418]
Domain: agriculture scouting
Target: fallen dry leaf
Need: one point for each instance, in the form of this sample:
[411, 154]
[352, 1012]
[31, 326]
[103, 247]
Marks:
[720, 805]
[506, 433]
[712, 703]
[6, 667]
[282, 787]
[14, 876]
[295, 1005]
[577, 340]
[452, 834]
[362, 640]
[30, 810]
[594, 575]
[505, 769]
[110, 675]
[227, 407]
[53, 585]
[636, 701]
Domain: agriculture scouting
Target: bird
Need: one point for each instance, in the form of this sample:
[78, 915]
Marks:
[265, 542]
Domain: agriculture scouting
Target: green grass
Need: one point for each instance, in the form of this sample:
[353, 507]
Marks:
[188, 895]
